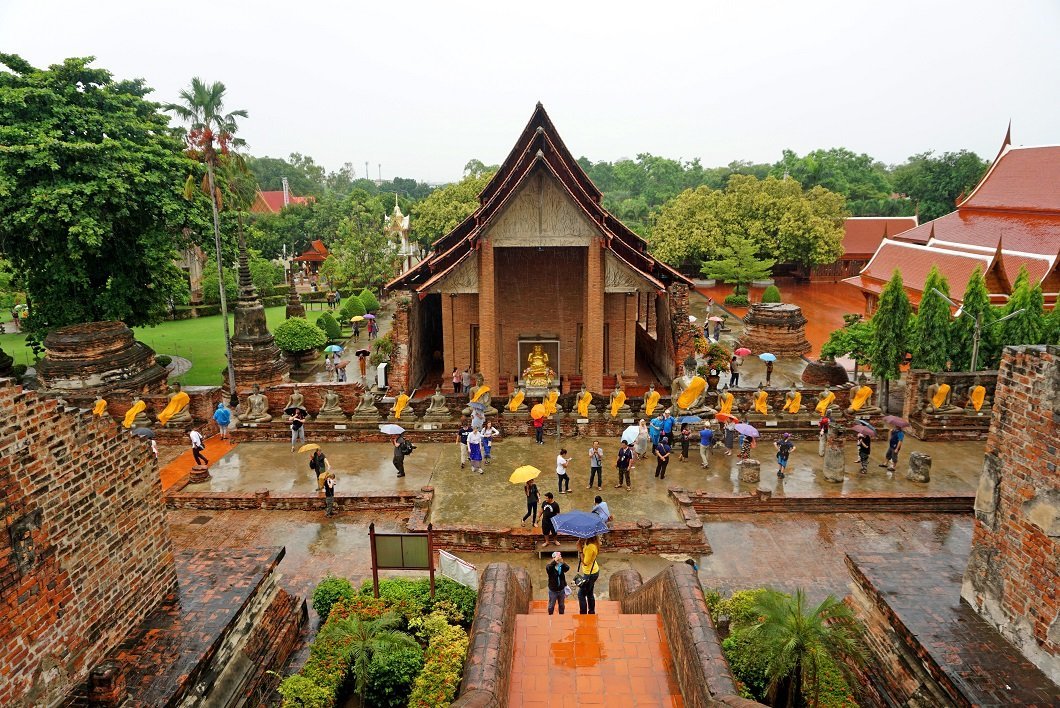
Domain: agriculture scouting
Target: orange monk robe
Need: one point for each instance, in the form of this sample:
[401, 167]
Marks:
[399, 405]
[178, 403]
[650, 402]
[583, 404]
[792, 406]
[620, 400]
[137, 408]
[824, 403]
[479, 393]
[695, 388]
[940, 396]
[761, 398]
[100, 408]
[977, 396]
[550, 402]
[517, 400]
[727, 399]
[860, 398]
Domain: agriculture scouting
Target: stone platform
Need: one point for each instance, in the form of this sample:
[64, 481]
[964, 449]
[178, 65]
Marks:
[211, 642]
[930, 647]
[950, 427]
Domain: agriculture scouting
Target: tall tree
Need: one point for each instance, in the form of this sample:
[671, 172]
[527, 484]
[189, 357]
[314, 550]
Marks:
[91, 213]
[210, 135]
[444, 208]
[935, 183]
[740, 267]
[854, 339]
[890, 326]
[1028, 327]
[975, 304]
[839, 170]
[931, 343]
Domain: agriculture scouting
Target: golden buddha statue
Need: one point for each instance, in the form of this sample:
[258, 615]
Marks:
[860, 402]
[537, 372]
[761, 401]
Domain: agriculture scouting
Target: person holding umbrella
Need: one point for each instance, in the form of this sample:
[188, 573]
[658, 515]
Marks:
[784, 448]
[296, 416]
[362, 362]
[864, 448]
[734, 372]
[685, 437]
[729, 436]
[624, 464]
[588, 551]
[318, 462]
[402, 447]
[894, 443]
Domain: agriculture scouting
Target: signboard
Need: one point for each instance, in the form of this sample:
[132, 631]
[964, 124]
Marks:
[401, 551]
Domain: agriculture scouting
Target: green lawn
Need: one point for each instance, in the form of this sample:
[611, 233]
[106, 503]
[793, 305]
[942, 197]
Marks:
[200, 340]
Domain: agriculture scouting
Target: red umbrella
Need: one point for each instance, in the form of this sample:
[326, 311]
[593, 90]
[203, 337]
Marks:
[742, 351]
[725, 418]
[896, 421]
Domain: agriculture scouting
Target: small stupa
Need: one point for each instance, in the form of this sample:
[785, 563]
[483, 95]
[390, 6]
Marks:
[255, 356]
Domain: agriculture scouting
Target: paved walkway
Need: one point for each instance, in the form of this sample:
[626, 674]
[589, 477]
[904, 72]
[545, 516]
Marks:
[180, 466]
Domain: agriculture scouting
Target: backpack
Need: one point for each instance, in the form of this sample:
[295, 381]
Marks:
[406, 447]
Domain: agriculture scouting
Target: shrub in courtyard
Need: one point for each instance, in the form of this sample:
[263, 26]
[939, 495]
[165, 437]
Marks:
[297, 335]
[436, 685]
[390, 676]
[330, 326]
[329, 591]
[300, 692]
[368, 299]
[771, 294]
[737, 300]
[163, 360]
[414, 595]
[351, 307]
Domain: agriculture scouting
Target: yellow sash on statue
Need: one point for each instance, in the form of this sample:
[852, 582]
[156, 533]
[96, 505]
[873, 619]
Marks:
[583, 404]
[178, 403]
[517, 400]
[760, 401]
[695, 387]
[650, 402]
[727, 399]
[550, 402]
[620, 400]
[822, 405]
[137, 408]
[100, 408]
[860, 398]
[478, 394]
[977, 396]
[399, 405]
[794, 404]
[940, 396]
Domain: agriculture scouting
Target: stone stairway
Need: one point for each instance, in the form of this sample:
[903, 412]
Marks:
[607, 658]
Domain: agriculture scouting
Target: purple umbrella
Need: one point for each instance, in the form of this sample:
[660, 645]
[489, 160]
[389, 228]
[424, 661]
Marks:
[369, 317]
[863, 430]
[896, 421]
[748, 430]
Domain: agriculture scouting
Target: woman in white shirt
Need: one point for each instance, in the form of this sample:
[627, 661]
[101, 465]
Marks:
[561, 471]
[489, 432]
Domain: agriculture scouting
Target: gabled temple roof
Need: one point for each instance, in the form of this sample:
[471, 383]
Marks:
[272, 202]
[539, 147]
[863, 234]
[317, 252]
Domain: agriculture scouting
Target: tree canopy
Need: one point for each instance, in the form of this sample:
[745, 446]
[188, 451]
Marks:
[446, 207]
[854, 339]
[1029, 326]
[935, 183]
[890, 329]
[739, 266]
[976, 303]
[92, 212]
[931, 344]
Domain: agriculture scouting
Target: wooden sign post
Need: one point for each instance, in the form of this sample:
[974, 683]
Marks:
[401, 551]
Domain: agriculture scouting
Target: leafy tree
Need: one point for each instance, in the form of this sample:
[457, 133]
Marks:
[477, 169]
[976, 304]
[91, 211]
[741, 267]
[366, 638]
[330, 326]
[854, 340]
[1051, 335]
[361, 255]
[935, 183]
[838, 170]
[800, 641]
[10, 295]
[931, 341]
[368, 299]
[771, 294]
[891, 328]
[1027, 327]
[297, 335]
[304, 176]
[444, 208]
[781, 220]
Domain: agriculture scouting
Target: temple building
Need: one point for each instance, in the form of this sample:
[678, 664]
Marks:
[862, 235]
[273, 202]
[312, 258]
[1010, 220]
[541, 284]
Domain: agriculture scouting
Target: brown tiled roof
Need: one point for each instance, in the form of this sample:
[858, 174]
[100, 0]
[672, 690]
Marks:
[272, 202]
[316, 252]
[915, 261]
[862, 234]
[1021, 179]
[539, 148]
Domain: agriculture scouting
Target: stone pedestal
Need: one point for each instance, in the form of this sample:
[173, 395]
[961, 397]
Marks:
[834, 460]
[919, 467]
[199, 473]
[750, 471]
[106, 685]
[824, 373]
[779, 328]
[99, 359]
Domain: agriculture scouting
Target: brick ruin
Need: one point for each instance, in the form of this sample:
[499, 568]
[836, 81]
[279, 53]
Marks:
[85, 554]
[779, 328]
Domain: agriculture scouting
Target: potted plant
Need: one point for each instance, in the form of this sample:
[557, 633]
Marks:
[299, 341]
[718, 358]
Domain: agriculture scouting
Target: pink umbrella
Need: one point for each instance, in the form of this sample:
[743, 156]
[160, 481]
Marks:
[715, 318]
[742, 351]
[369, 317]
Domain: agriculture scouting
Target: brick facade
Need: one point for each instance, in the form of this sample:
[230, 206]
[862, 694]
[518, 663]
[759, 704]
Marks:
[1013, 575]
[85, 554]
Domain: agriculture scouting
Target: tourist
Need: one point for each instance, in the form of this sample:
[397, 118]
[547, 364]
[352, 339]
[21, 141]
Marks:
[319, 463]
[601, 509]
[662, 454]
[338, 299]
[596, 465]
[402, 447]
[640, 445]
[461, 438]
[356, 331]
[489, 432]
[784, 448]
[769, 371]
[478, 418]
[340, 368]
[456, 380]
[588, 550]
[549, 509]
[331, 300]
[864, 448]
[894, 444]
[624, 464]
[329, 366]
[729, 437]
[539, 430]
[561, 471]
[747, 443]
[532, 498]
[717, 331]
[297, 421]
[474, 450]
[557, 582]
[465, 379]
[655, 431]
[686, 439]
[706, 441]
[197, 446]
[362, 362]
[734, 372]
[329, 494]
[223, 417]
[668, 427]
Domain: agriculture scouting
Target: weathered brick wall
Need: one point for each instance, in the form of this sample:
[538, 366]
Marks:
[85, 554]
[763, 501]
[917, 382]
[349, 393]
[459, 313]
[399, 373]
[1013, 575]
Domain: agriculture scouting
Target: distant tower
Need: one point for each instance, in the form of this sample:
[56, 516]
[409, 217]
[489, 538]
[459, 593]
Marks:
[396, 228]
[286, 192]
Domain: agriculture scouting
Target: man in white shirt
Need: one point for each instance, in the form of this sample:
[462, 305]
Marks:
[561, 471]
[197, 446]
[602, 511]
[596, 465]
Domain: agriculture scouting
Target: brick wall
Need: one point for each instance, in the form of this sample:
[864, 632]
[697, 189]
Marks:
[399, 372]
[762, 501]
[1013, 575]
[85, 554]
[459, 313]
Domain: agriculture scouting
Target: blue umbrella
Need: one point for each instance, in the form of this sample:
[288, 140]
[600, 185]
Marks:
[767, 357]
[333, 348]
[580, 524]
[689, 419]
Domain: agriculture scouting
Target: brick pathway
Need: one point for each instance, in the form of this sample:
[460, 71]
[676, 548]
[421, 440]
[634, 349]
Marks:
[178, 467]
[604, 659]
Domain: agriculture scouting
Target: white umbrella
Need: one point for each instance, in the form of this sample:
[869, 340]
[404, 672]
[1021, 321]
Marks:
[630, 434]
[691, 318]
[391, 429]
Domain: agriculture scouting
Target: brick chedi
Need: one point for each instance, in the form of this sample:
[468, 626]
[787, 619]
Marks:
[255, 356]
[779, 328]
[98, 359]
[1013, 575]
[85, 555]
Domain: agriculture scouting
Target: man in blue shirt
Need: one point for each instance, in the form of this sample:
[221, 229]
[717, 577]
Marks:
[662, 452]
[668, 427]
[894, 444]
[706, 441]
[624, 463]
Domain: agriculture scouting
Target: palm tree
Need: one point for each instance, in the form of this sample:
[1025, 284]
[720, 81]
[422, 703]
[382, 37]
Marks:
[365, 638]
[210, 135]
[797, 640]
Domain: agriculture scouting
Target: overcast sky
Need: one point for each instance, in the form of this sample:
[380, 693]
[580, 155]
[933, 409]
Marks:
[423, 87]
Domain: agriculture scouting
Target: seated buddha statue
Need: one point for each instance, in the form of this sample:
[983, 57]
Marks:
[136, 416]
[99, 408]
[537, 372]
[516, 404]
[978, 403]
[825, 403]
[255, 408]
[761, 401]
[297, 400]
[861, 401]
[438, 409]
[330, 410]
[176, 411]
[480, 393]
[400, 405]
[366, 409]
[695, 402]
[725, 401]
[617, 406]
[584, 403]
[651, 400]
[793, 402]
[937, 400]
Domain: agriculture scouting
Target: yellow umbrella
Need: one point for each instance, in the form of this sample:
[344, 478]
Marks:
[538, 411]
[523, 474]
[307, 448]
[357, 318]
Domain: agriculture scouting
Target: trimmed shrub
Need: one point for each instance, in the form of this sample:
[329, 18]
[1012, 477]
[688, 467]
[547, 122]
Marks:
[329, 591]
[737, 300]
[390, 676]
[367, 298]
[19, 370]
[436, 685]
[301, 692]
[330, 325]
[297, 335]
[274, 301]
[412, 597]
[771, 294]
[351, 307]
[163, 360]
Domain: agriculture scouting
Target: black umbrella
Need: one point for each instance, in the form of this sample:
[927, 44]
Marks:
[144, 433]
[363, 352]
[291, 411]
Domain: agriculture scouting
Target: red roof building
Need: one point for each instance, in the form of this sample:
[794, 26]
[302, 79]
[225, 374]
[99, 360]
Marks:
[274, 201]
[313, 256]
[862, 235]
[1010, 220]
